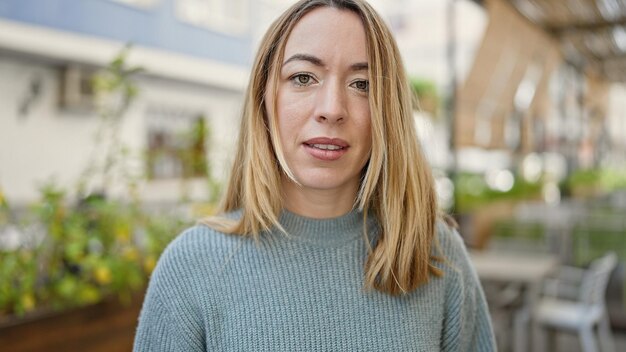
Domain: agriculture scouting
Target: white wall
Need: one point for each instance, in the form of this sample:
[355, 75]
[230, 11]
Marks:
[48, 143]
[43, 144]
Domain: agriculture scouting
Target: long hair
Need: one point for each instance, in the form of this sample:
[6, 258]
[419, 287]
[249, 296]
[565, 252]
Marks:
[397, 185]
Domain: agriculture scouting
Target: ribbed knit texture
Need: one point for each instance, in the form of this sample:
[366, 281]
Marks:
[304, 292]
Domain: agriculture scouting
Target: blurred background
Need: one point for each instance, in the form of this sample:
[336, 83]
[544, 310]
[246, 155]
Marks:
[118, 121]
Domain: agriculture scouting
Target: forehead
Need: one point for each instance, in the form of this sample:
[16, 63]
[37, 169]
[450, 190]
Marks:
[329, 31]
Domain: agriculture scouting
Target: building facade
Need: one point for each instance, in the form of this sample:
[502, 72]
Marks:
[194, 57]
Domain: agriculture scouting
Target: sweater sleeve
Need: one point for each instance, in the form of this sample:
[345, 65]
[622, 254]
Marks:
[467, 323]
[160, 330]
[168, 320]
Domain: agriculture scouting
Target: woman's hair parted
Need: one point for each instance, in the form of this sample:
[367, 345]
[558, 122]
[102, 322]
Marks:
[397, 185]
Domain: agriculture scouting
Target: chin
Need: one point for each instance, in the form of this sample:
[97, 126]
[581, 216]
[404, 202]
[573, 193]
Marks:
[324, 180]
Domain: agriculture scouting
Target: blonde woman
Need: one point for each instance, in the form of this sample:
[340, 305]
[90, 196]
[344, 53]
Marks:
[329, 238]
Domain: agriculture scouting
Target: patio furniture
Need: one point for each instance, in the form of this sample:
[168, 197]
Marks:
[575, 301]
[519, 275]
[504, 300]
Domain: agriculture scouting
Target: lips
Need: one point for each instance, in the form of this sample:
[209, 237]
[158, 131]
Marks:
[327, 149]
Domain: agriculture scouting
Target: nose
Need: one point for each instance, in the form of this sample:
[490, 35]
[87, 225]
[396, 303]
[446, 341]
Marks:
[331, 103]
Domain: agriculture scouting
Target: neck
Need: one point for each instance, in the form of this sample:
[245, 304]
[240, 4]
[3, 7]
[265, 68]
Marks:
[318, 203]
[327, 232]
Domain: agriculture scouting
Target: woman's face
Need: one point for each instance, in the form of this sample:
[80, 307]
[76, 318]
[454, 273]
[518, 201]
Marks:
[322, 101]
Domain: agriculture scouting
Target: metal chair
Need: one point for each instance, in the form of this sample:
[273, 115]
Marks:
[575, 302]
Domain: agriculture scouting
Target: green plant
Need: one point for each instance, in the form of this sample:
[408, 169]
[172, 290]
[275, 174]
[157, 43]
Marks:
[593, 182]
[91, 250]
[18, 274]
[115, 90]
[82, 245]
[427, 95]
[472, 191]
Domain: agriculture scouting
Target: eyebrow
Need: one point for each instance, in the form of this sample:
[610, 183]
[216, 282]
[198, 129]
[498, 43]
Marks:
[359, 66]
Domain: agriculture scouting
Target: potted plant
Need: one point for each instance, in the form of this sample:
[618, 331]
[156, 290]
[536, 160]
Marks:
[75, 278]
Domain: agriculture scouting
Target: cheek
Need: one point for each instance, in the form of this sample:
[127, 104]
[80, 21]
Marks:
[368, 136]
[289, 123]
[364, 125]
[291, 115]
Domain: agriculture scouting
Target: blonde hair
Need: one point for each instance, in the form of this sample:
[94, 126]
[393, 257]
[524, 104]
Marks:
[397, 185]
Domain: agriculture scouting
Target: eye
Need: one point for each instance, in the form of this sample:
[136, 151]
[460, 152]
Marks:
[362, 85]
[302, 79]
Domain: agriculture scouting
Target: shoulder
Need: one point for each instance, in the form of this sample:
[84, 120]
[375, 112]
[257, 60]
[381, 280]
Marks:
[455, 259]
[199, 241]
[467, 325]
[193, 260]
[200, 238]
[448, 242]
[198, 245]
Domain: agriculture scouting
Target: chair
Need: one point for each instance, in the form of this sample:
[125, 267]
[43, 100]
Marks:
[504, 300]
[574, 301]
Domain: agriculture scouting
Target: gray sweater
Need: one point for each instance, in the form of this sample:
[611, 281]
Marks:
[304, 292]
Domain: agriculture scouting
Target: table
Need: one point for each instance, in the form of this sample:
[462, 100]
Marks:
[525, 269]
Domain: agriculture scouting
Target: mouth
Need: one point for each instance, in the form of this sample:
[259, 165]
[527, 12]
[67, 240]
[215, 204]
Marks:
[324, 146]
[326, 143]
[326, 149]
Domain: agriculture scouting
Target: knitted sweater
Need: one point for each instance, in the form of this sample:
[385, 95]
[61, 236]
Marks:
[304, 292]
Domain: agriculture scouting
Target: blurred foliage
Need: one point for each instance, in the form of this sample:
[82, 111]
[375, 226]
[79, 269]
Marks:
[186, 147]
[4, 209]
[77, 251]
[515, 235]
[591, 241]
[593, 182]
[511, 228]
[426, 95]
[114, 91]
[84, 253]
[473, 191]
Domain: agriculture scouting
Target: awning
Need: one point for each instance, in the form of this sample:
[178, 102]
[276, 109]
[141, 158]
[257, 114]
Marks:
[591, 33]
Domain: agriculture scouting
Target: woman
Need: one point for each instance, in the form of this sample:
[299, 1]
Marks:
[329, 238]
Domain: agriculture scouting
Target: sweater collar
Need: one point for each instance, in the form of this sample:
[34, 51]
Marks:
[327, 232]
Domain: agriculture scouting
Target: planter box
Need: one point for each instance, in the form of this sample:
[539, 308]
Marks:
[106, 326]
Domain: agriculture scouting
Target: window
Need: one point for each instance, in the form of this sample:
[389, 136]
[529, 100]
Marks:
[229, 16]
[176, 144]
